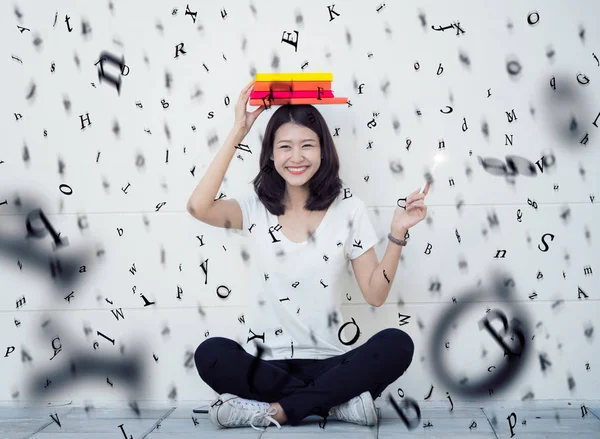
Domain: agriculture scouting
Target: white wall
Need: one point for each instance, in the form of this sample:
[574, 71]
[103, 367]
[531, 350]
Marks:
[122, 229]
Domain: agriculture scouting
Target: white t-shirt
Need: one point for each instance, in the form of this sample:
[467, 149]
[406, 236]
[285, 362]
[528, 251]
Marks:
[294, 301]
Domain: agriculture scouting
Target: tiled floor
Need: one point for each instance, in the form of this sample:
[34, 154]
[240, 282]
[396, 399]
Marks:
[532, 419]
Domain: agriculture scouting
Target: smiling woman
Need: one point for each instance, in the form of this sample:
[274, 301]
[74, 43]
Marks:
[297, 136]
[306, 229]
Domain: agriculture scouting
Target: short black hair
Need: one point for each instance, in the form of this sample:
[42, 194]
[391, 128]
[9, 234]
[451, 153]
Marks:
[324, 186]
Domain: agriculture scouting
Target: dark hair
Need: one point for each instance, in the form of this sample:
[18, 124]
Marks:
[324, 186]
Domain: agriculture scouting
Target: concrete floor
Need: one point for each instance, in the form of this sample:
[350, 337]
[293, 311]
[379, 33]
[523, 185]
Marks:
[534, 419]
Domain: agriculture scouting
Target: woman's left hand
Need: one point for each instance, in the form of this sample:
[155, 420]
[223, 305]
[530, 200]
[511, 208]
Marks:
[415, 211]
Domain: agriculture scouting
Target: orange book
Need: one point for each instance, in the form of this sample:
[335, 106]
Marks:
[298, 101]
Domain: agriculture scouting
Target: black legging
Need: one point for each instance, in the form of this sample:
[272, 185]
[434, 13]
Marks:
[305, 387]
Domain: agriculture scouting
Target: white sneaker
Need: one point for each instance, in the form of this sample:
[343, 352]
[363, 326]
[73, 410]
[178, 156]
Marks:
[359, 410]
[240, 412]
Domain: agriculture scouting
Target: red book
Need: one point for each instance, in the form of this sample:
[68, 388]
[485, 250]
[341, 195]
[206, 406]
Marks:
[294, 94]
[298, 101]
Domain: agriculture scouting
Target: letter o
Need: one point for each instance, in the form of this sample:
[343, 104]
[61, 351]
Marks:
[62, 186]
[228, 291]
[351, 342]
[548, 163]
[533, 23]
[513, 67]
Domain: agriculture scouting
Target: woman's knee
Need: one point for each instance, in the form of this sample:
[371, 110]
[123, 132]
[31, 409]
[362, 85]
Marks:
[207, 353]
[400, 343]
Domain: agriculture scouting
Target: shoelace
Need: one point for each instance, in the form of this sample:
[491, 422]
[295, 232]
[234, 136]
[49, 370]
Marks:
[242, 413]
[266, 414]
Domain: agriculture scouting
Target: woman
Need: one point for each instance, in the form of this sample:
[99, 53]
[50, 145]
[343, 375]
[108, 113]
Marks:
[297, 217]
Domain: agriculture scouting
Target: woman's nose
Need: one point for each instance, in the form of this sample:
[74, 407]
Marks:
[297, 155]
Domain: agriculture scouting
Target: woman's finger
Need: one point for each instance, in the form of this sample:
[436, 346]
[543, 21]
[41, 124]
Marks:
[412, 197]
[416, 203]
[246, 88]
[426, 191]
[412, 194]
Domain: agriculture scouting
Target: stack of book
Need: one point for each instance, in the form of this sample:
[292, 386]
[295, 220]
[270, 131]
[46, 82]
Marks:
[294, 88]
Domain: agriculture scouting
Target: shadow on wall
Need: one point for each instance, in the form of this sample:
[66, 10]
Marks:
[66, 272]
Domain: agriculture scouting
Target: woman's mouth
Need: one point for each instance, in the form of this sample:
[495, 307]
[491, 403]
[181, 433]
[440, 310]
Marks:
[297, 171]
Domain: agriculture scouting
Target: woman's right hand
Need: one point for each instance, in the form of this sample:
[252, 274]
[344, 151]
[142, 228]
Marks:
[245, 119]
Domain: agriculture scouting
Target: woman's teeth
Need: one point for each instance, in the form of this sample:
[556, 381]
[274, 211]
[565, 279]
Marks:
[297, 170]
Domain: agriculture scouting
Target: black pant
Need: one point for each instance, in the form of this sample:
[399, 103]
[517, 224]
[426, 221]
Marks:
[305, 387]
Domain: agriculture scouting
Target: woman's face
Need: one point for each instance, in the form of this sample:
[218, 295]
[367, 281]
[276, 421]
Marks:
[296, 146]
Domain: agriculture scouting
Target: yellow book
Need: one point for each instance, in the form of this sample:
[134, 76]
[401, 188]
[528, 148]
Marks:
[295, 76]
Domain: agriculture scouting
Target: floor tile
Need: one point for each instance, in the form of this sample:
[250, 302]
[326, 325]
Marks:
[543, 421]
[18, 422]
[437, 420]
